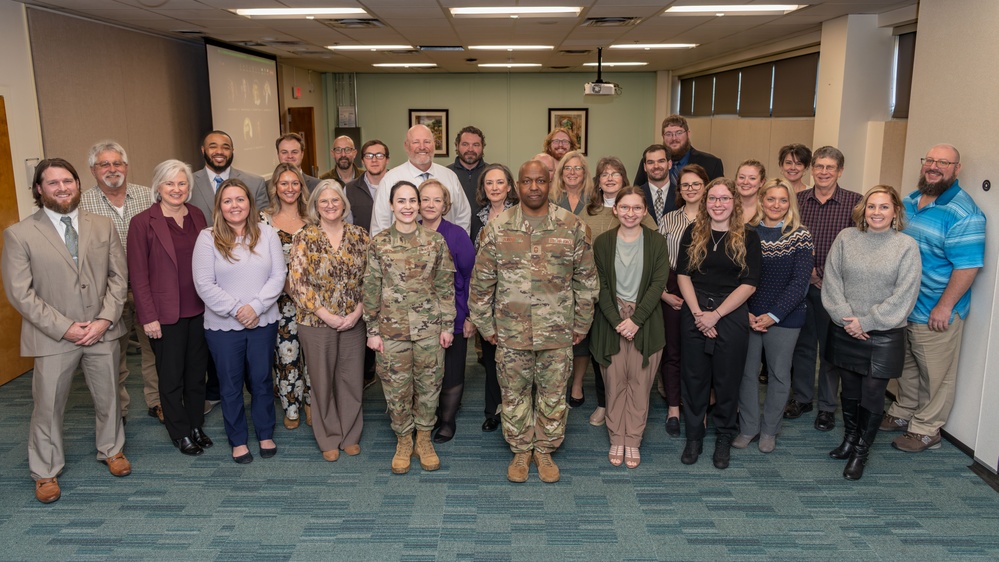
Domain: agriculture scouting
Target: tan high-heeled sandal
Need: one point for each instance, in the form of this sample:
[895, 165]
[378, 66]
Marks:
[632, 458]
[616, 455]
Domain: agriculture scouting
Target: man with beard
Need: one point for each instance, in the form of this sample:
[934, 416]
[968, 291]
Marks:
[531, 294]
[418, 168]
[676, 136]
[660, 192]
[950, 230]
[217, 149]
[470, 145]
[291, 150]
[64, 272]
[558, 142]
[826, 209]
[343, 152]
[113, 197]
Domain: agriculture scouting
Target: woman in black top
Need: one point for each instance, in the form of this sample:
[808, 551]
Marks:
[718, 268]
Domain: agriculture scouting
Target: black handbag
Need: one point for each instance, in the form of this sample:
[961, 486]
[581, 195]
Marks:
[881, 356]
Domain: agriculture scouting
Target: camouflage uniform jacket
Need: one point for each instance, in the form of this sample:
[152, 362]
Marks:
[533, 289]
[408, 286]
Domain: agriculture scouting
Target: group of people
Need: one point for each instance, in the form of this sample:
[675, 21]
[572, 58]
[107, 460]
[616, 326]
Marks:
[296, 287]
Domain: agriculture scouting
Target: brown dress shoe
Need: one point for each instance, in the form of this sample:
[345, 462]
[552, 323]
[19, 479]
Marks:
[118, 465]
[157, 412]
[352, 450]
[332, 455]
[290, 423]
[47, 490]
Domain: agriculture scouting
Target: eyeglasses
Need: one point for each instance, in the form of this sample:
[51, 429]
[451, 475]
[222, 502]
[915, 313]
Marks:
[930, 162]
[116, 164]
[573, 168]
[674, 134]
[342, 150]
[561, 141]
[540, 182]
[828, 168]
[630, 208]
[374, 156]
[725, 199]
[609, 175]
[691, 186]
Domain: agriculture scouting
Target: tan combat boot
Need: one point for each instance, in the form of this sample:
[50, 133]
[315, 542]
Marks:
[547, 469]
[425, 451]
[517, 471]
[403, 451]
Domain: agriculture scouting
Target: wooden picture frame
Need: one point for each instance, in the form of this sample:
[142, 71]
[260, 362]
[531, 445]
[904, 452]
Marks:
[436, 120]
[575, 120]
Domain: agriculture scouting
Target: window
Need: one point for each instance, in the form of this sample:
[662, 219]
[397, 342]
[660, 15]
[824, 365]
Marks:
[783, 88]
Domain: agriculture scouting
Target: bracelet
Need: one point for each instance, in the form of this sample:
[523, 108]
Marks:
[718, 313]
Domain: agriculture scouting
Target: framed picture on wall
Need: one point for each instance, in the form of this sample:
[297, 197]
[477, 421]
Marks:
[436, 120]
[573, 120]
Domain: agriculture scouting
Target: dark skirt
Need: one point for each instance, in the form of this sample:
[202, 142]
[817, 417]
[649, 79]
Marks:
[880, 357]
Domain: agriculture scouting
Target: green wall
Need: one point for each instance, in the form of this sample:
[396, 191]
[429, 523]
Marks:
[511, 109]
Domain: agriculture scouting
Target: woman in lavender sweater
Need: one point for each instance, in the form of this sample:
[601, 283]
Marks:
[239, 273]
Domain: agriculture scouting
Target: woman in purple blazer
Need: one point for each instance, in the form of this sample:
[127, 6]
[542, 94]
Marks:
[160, 247]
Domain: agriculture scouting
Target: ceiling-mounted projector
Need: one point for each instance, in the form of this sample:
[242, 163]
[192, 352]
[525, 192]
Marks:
[601, 89]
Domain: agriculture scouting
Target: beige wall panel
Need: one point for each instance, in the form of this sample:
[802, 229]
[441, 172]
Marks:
[893, 155]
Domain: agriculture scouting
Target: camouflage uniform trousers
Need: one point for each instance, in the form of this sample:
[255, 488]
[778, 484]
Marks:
[411, 373]
[533, 422]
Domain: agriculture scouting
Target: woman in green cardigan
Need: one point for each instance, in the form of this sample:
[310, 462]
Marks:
[628, 336]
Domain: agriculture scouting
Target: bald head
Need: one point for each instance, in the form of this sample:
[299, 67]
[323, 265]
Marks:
[532, 186]
[420, 146]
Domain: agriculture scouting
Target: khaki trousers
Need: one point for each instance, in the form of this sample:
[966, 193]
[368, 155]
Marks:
[150, 380]
[927, 386]
[627, 385]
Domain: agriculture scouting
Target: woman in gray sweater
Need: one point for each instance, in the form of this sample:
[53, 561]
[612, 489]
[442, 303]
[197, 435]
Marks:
[870, 286]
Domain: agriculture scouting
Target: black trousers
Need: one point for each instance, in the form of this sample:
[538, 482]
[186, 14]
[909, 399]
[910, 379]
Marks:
[181, 360]
[492, 394]
[713, 362]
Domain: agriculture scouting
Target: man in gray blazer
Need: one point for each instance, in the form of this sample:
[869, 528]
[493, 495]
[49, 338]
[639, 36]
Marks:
[217, 150]
[64, 272]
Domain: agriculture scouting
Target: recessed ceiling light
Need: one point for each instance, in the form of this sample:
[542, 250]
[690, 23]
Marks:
[734, 10]
[405, 65]
[287, 13]
[511, 47]
[615, 64]
[515, 12]
[510, 65]
[369, 47]
[650, 46]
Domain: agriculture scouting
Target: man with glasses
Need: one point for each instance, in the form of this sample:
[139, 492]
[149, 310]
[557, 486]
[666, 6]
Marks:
[469, 147]
[660, 192]
[291, 150]
[558, 142]
[113, 197]
[345, 169]
[950, 230]
[361, 192]
[418, 168]
[531, 294]
[676, 136]
[826, 209]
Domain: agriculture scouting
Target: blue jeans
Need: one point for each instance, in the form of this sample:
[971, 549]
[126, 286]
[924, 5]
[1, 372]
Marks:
[245, 355]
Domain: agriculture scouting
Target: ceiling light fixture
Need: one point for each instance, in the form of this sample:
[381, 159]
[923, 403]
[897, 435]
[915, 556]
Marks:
[405, 65]
[734, 10]
[616, 64]
[650, 46]
[510, 47]
[294, 13]
[369, 47]
[510, 65]
[521, 12]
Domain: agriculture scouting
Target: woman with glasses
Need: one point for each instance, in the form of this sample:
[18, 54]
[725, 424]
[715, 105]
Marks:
[794, 159]
[749, 178]
[286, 214]
[776, 313]
[693, 178]
[718, 269]
[870, 286]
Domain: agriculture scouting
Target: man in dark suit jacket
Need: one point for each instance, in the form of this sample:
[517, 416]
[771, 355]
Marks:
[217, 150]
[361, 191]
[660, 192]
[64, 272]
[291, 150]
[676, 136]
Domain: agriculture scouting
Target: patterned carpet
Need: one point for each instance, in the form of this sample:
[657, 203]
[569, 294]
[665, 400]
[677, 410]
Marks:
[790, 505]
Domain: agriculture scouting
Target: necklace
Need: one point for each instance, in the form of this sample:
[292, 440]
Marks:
[716, 242]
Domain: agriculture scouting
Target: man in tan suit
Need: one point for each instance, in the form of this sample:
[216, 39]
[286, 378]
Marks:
[64, 271]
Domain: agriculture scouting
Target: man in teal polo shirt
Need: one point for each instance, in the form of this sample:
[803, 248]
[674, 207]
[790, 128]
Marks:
[950, 230]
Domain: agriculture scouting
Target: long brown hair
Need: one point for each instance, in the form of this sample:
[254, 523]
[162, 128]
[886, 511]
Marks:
[735, 242]
[275, 202]
[223, 234]
[596, 203]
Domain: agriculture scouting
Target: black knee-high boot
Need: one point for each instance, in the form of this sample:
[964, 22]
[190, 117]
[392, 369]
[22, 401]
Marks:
[867, 424]
[850, 431]
[447, 411]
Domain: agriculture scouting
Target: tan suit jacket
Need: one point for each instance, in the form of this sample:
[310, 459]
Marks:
[51, 291]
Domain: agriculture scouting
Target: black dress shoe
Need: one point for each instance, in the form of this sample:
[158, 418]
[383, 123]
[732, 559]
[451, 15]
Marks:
[723, 451]
[491, 424]
[444, 433]
[575, 402]
[692, 450]
[795, 409]
[673, 426]
[825, 421]
[245, 458]
[188, 446]
[200, 438]
[268, 453]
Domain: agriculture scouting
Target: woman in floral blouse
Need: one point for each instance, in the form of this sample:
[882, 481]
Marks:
[327, 266]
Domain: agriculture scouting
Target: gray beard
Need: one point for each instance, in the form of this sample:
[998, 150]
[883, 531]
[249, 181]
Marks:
[933, 189]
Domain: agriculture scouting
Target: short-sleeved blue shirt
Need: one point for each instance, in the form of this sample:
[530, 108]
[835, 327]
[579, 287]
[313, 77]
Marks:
[951, 235]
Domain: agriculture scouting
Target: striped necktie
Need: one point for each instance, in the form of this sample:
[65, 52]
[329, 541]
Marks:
[72, 238]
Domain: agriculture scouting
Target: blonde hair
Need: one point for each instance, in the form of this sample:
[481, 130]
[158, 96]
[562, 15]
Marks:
[557, 191]
[445, 194]
[792, 219]
[860, 211]
[223, 234]
[274, 204]
[735, 242]
[312, 214]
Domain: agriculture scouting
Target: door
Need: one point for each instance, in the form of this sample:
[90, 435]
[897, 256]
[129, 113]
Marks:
[302, 120]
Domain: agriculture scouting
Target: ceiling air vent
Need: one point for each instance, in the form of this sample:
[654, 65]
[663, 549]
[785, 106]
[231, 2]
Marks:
[611, 22]
[574, 52]
[352, 23]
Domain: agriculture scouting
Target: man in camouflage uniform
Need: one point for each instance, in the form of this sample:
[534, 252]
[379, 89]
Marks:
[408, 304]
[532, 294]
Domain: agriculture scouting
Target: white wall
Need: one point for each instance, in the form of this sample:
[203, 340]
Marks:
[17, 86]
[954, 101]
